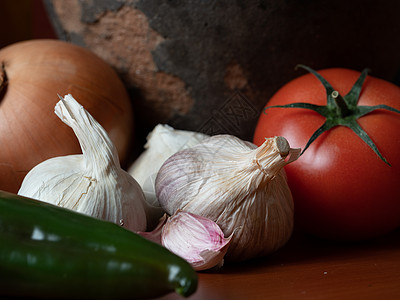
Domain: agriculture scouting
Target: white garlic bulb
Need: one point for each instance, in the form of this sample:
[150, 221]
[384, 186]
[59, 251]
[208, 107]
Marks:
[237, 185]
[162, 142]
[93, 182]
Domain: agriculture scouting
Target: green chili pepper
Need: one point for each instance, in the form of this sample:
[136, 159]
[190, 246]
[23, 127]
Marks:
[50, 252]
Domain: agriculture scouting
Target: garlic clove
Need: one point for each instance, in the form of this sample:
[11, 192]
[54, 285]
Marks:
[198, 240]
[93, 182]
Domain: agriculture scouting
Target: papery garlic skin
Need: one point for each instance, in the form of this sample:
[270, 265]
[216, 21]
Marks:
[237, 185]
[162, 142]
[198, 240]
[93, 182]
[155, 234]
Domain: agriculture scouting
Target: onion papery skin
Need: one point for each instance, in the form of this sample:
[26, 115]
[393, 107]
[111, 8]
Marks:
[37, 71]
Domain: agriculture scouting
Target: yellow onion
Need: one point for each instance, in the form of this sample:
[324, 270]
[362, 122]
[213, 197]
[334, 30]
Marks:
[32, 74]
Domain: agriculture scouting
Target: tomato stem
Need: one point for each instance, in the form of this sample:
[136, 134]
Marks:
[341, 105]
[341, 111]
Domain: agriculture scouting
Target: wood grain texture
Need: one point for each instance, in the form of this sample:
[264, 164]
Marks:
[309, 268]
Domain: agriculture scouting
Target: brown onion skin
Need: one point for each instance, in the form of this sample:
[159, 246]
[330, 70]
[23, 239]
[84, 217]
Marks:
[30, 132]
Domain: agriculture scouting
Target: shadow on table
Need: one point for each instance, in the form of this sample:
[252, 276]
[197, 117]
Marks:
[303, 248]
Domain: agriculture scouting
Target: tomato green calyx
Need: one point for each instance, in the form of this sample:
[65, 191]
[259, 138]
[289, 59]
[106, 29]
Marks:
[341, 111]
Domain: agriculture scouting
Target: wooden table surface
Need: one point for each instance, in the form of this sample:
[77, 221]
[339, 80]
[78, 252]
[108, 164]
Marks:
[310, 268]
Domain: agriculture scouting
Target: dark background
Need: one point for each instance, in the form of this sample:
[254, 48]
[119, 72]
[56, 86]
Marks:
[22, 20]
[256, 43]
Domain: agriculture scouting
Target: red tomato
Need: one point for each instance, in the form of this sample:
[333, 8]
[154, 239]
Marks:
[341, 189]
